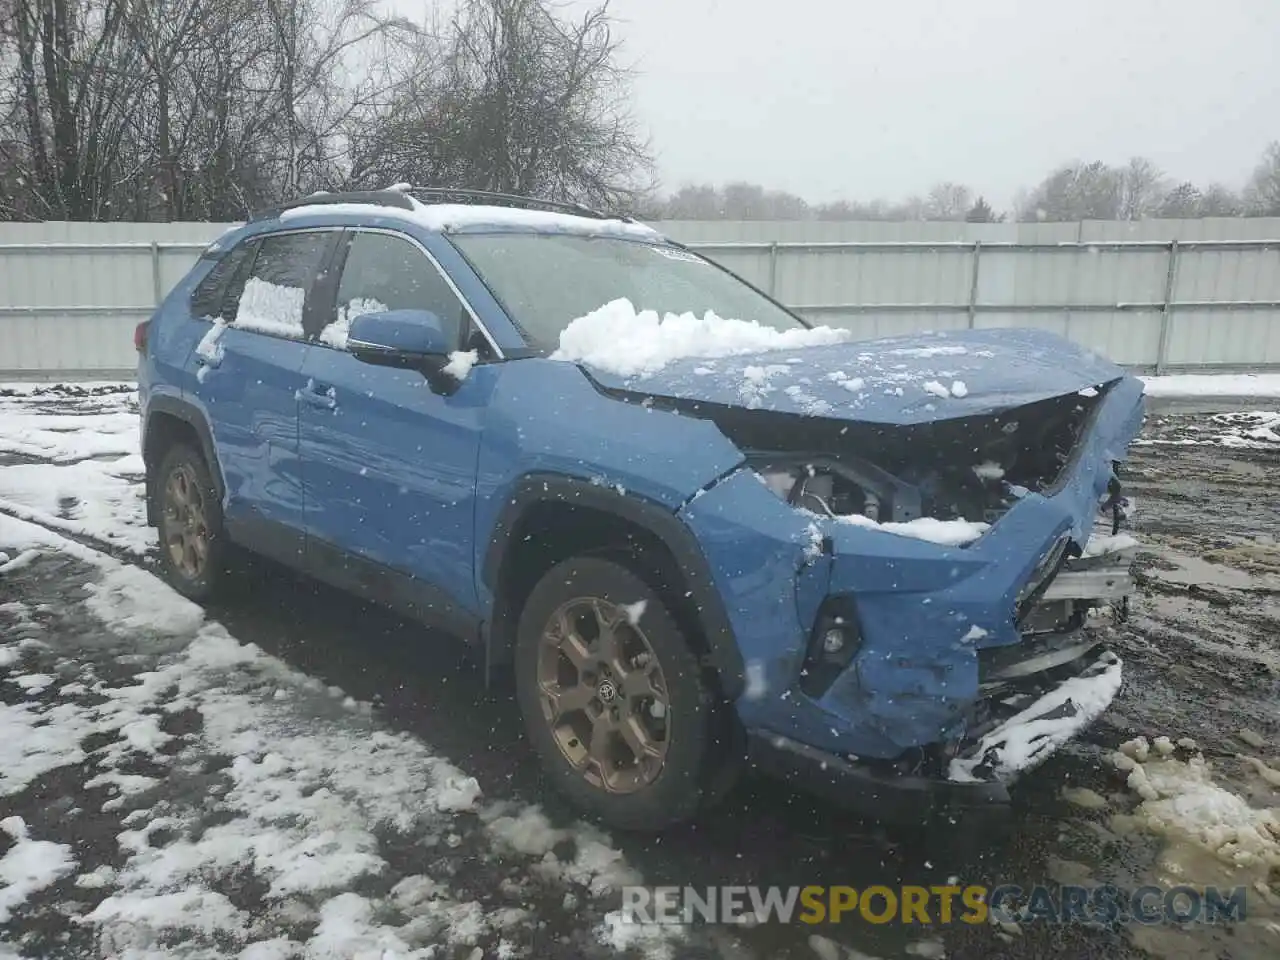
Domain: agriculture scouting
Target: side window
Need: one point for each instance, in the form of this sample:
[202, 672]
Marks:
[235, 285]
[206, 300]
[385, 272]
[275, 287]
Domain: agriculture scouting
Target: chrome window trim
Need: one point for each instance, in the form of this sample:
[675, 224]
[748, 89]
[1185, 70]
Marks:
[258, 238]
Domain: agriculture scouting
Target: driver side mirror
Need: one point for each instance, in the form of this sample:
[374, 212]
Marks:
[399, 338]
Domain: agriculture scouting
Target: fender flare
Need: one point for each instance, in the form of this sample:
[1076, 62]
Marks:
[193, 417]
[723, 654]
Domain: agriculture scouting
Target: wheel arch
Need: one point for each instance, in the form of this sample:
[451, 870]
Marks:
[613, 520]
[171, 420]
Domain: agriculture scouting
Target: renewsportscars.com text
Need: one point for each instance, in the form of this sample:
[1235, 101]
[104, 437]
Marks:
[972, 904]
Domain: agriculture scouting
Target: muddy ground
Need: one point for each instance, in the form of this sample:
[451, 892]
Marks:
[1202, 654]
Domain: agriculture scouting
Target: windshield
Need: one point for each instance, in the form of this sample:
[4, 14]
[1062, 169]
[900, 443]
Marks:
[545, 281]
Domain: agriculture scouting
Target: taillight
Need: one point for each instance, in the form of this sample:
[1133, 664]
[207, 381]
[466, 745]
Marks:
[140, 336]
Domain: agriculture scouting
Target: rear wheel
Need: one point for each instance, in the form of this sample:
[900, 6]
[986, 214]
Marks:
[614, 701]
[192, 542]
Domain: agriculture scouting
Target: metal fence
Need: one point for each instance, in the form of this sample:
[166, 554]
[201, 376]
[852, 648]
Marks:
[70, 294]
[1151, 304]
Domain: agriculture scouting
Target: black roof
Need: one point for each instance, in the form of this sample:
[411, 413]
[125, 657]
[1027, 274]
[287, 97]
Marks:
[401, 199]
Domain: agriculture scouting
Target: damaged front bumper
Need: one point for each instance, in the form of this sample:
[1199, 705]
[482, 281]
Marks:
[961, 668]
[1029, 736]
[1036, 696]
[978, 778]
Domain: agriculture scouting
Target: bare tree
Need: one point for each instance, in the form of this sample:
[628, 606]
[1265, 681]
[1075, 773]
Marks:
[1220, 201]
[322, 84]
[70, 91]
[192, 109]
[515, 99]
[177, 108]
[1184, 201]
[1142, 188]
[948, 201]
[1078, 191]
[1263, 192]
[694, 202]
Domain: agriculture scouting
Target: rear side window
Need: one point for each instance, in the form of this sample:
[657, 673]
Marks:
[275, 287]
[206, 301]
[235, 284]
[386, 272]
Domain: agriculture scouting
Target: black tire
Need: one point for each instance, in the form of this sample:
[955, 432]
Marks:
[691, 773]
[201, 585]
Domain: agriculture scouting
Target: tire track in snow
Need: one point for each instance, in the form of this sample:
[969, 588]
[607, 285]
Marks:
[70, 530]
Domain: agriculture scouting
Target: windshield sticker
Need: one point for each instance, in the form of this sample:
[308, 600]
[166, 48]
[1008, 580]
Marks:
[674, 253]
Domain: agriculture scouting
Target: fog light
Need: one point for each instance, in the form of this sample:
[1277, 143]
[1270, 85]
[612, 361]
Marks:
[833, 640]
[833, 644]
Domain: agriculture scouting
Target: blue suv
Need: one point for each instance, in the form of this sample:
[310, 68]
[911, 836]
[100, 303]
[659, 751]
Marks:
[697, 545]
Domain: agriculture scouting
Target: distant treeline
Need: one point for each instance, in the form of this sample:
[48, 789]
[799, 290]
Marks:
[1138, 190]
[210, 109]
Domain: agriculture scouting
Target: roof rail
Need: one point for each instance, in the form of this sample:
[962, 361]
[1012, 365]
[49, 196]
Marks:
[399, 197]
[450, 195]
[380, 198]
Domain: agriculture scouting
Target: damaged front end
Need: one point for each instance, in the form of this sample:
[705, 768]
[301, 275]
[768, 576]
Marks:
[967, 469]
[923, 605]
[1039, 693]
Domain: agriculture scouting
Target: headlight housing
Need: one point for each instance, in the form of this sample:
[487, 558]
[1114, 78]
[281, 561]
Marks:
[844, 487]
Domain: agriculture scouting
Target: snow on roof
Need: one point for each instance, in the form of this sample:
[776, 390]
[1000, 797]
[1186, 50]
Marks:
[457, 216]
[618, 339]
[345, 210]
[460, 217]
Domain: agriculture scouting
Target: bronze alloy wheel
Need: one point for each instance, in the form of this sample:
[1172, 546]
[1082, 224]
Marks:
[603, 695]
[186, 527]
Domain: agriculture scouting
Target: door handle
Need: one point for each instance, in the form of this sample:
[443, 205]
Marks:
[315, 395]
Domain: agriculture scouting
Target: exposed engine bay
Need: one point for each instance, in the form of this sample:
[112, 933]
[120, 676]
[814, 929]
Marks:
[971, 468]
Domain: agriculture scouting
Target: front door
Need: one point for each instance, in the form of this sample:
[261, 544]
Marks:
[389, 464]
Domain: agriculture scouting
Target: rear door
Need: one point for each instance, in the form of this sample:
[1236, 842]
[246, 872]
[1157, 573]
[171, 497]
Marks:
[389, 464]
[248, 377]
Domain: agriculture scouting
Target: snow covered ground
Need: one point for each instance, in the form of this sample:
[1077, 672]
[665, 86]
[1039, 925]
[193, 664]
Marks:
[224, 770]
[1214, 385]
[1244, 429]
[77, 470]
[228, 769]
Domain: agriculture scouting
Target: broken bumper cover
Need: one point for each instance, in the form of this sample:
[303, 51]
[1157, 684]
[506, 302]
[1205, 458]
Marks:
[942, 654]
[979, 777]
[1025, 740]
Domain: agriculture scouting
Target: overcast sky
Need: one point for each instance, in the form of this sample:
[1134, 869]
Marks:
[881, 98]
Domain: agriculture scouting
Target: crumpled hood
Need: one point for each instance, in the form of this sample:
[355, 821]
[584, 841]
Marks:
[894, 380]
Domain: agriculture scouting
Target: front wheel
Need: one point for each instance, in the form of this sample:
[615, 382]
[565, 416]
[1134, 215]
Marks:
[614, 701]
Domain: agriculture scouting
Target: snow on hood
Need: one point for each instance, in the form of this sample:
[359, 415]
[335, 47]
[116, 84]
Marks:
[823, 372]
[619, 339]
